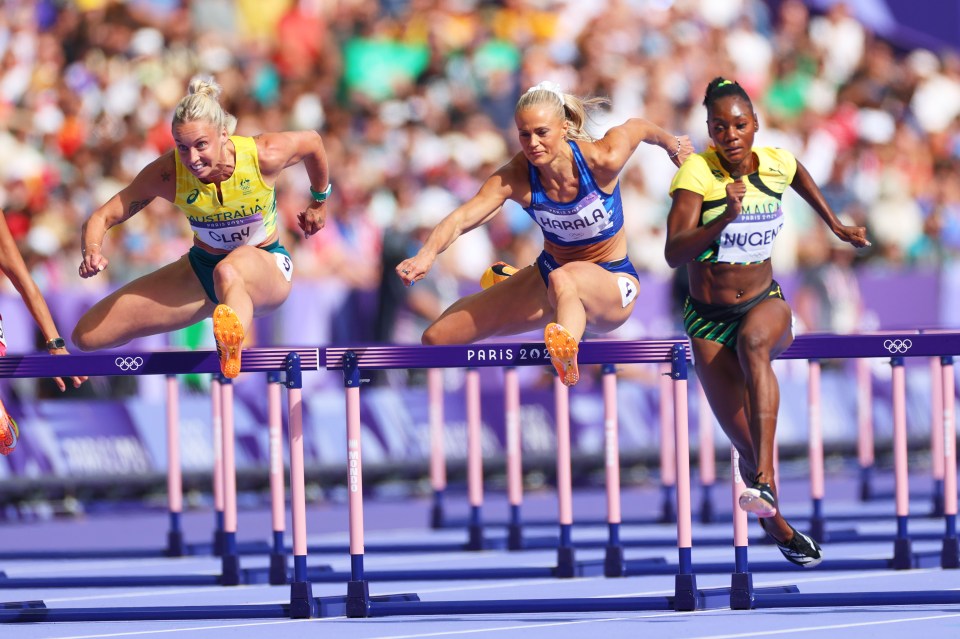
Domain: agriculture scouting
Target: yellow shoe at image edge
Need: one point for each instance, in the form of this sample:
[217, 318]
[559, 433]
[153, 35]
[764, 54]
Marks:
[496, 273]
[563, 349]
[228, 331]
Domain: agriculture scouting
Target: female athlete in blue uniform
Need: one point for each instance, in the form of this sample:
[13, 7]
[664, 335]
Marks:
[725, 217]
[568, 183]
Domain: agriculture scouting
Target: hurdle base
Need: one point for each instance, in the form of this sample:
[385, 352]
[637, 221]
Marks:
[614, 564]
[902, 556]
[175, 545]
[436, 515]
[358, 599]
[566, 562]
[230, 574]
[686, 595]
[475, 537]
[741, 591]
[278, 569]
[950, 554]
[515, 537]
[302, 603]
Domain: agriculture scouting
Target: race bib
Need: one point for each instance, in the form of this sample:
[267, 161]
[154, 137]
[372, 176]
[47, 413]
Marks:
[628, 291]
[586, 220]
[749, 238]
[230, 234]
[3, 339]
[285, 264]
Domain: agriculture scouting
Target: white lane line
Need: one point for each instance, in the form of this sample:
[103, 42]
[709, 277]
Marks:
[135, 633]
[839, 626]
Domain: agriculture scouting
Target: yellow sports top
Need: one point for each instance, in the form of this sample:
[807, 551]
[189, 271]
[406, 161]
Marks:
[748, 238]
[248, 213]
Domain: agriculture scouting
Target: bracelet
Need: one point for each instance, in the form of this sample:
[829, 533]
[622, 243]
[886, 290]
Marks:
[321, 196]
[673, 155]
[83, 251]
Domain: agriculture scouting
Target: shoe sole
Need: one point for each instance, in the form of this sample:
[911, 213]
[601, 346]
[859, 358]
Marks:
[228, 331]
[563, 349]
[496, 274]
[750, 501]
[9, 434]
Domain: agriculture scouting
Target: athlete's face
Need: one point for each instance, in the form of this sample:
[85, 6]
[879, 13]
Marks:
[200, 145]
[542, 133]
[731, 125]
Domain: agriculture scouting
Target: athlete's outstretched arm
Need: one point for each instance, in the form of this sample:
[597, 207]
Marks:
[619, 143]
[156, 179]
[478, 210]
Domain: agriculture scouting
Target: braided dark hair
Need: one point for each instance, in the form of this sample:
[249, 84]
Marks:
[720, 87]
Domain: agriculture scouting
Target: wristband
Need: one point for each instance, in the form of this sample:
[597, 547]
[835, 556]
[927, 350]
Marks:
[673, 155]
[321, 196]
[56, 343]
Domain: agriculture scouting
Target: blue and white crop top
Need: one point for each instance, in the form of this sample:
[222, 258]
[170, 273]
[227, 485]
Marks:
[593, 216]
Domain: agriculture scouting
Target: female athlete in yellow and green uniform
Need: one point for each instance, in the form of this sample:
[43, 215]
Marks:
[236, 268]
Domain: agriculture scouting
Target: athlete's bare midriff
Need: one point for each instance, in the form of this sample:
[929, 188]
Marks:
[720, 283]
[608, 250]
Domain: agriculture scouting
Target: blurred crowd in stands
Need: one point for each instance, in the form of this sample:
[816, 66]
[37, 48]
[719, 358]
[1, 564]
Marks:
[415, 98]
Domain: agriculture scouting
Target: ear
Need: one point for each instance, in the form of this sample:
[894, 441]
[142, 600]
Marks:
[756, 123]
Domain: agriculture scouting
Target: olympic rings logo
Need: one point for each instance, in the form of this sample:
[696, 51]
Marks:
[898, 345]
[129, 363]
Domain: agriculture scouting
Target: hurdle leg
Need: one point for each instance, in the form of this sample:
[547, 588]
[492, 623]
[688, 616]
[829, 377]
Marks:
[278, 552]
[950, 555]
[741, 582]
[668, 469]
[865, 453]
[438, 461]
[565, 550]
[358, 588]
[936, 435]
[815, 448]
[175, 546]
[511, 398]
[613, 562]
[302, 603]
[474, 460]
[902, 556]
[708, 456]
[230, 560]
[216, 403]
[687, 596]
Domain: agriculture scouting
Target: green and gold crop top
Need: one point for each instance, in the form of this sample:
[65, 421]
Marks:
[248, 213]
[749, 238]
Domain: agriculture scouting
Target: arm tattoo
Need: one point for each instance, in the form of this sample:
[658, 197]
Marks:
[137, 206]
[165, 176]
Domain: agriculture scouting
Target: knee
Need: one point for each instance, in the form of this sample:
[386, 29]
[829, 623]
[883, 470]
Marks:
[560, 280]
[432, 336]
[224, 274]
[754, 345]
[81, 337]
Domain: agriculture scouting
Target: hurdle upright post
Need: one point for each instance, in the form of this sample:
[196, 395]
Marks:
[902, 555]
[358, 589]
[216, 416]
[278, 551]
[815, 451]
[936, 435]
[565, 549]
[438, 460]
[950, 554]
[474, 460]
[613, 560]
[865, 454]
[175, 547]
[302, 603]
[741, 582]
[687, 595]
[668, 469]
[230, 560]
[514, 442]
